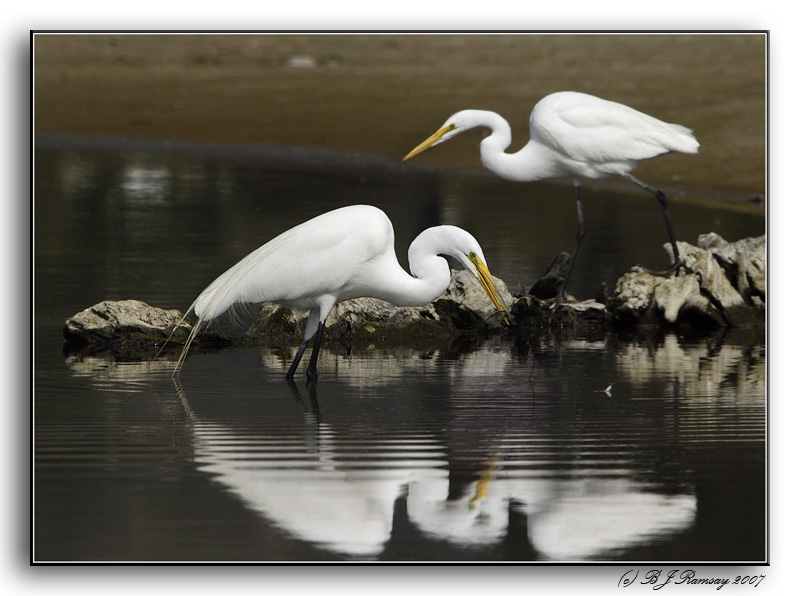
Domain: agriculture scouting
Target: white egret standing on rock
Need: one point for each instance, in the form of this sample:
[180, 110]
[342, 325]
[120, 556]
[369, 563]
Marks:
[576, 135]
[343, 254]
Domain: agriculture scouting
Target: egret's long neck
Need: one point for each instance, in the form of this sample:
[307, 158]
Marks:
[430, 280]
[532, 162]
[431, 273]
[500, 138]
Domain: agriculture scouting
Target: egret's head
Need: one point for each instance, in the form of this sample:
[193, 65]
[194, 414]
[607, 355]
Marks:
[469, 253]
[455, 125]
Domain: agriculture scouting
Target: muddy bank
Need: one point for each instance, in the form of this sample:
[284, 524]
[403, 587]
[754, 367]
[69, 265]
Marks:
[383, 94]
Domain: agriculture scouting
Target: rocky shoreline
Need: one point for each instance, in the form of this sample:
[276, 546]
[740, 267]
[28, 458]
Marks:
[721, 285]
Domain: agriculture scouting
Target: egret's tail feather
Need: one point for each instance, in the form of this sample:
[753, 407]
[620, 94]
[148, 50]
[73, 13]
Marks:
[683, 141]
[235, 317]
[211, 303]
[169, 337]
[192, 334]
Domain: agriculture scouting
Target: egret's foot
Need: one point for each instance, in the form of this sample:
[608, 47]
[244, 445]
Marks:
[676, 268]
[553, 310]
[673, 269]
[558, 300]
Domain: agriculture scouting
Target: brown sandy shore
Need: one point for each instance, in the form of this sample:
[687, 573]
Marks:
[383, 94]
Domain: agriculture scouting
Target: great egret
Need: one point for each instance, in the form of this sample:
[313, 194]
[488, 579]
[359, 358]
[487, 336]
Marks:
[576, 135]
[343, 254]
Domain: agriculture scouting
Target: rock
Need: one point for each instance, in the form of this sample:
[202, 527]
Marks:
[548, 284]
[719, 286]
[467, 292]
[744, 262]
[124, 327]
[713, 280]
[464, 306]
[362, 318]
[107, 320]
[130, 326]
[641, 298]
[681, 298]
[633, 295]
[582, 317]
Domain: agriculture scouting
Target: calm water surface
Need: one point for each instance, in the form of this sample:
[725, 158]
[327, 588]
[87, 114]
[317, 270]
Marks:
[483, 449]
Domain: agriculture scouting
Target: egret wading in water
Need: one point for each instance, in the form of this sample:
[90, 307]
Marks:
[576, 135]
[343, 254]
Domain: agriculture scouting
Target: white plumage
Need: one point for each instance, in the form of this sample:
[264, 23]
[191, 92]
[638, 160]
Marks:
[573, 135]
[343, 254]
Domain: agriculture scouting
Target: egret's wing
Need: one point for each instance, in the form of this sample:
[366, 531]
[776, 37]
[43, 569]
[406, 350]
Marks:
[316, 258]
[590, 129]
[312, 259]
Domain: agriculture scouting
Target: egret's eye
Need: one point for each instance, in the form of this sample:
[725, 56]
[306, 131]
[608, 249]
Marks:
[472, 255]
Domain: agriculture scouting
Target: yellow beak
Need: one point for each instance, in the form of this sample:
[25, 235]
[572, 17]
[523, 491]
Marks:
[487, 283]
[430, 141]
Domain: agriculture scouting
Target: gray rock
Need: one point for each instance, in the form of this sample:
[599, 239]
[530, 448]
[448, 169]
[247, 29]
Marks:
[465, 290]
[361, 316]
[463, 306]
[548, 284]
[682, 298]
[633, 295]
[132, 326]
[585, 317]
[721, 284]
[123, 325]
[107, 319]
[744, 261]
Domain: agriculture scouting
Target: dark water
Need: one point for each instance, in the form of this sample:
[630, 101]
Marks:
[484, 449]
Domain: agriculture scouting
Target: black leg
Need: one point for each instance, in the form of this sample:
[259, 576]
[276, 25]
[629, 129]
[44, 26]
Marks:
[578, 239]
[311, 371]
[662, 200]
[296, 361]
